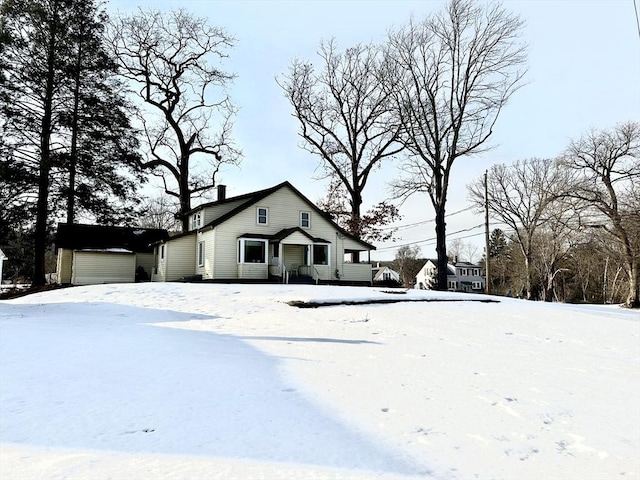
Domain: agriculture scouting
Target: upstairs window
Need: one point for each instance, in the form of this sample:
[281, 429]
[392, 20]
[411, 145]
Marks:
[262, 216]
[305, 219]
[196, 220]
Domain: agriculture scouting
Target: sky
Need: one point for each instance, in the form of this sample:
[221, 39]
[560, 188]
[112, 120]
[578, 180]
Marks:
[226, 381]
[583, 73]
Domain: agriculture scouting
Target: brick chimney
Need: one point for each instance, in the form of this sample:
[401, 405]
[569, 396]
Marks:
[222, 192]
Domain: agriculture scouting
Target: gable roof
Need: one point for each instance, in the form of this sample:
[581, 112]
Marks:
[81, 237]
[250, 199]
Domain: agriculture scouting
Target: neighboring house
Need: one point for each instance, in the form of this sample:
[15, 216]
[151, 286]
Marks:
[94, 254]
[461, 276]
[274, 234]
[384, 274]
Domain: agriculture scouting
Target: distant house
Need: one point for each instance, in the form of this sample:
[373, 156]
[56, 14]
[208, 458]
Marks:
[461, 276]
[273, 234]
[385, 275]
[94, 254]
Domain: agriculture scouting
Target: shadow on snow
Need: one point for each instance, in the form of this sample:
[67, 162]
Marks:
[99, 376]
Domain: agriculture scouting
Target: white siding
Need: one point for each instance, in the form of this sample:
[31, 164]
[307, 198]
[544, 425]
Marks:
[179, 259]
[103, 267]
[64, 265]
[356, 272]
[284, 212]
[216, 211]
[146, 261]
[208, 238]
[253, 271]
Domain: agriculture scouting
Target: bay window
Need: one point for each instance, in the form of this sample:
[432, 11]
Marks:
[252, 250]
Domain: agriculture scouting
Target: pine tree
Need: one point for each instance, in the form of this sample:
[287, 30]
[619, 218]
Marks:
[55, 91]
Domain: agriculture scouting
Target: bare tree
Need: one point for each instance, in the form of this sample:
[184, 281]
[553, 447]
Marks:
[168, 55]
[407, 264]
[608, 167]
[160, 212]
[345, 116]
[553, 244]
[372, 226]
[451, 75]
[462, 250]
[519, 196]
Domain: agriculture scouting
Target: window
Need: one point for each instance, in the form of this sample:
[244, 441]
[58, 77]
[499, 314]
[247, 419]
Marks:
[477, 285]
[453, 284]
[196, 220]
[201, 254]
[321, 254]
[161, 252]
[252, 251]
[305, 219]
[262, 216]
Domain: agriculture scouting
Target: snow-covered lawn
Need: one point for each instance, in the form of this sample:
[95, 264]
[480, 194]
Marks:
[188, 381]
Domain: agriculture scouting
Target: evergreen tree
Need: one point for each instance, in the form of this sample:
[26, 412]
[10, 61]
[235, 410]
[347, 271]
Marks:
[99, 130]
[55, 90]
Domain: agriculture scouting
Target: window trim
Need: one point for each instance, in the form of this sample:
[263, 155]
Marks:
[162, 252]
[266, 216]
[196, 220]
[241, 248]
[328, 245]
[200, 254]
[308, 214]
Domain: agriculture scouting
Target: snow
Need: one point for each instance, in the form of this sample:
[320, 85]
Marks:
[229, 381]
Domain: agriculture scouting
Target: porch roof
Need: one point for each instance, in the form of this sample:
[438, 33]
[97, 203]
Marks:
[283, 234]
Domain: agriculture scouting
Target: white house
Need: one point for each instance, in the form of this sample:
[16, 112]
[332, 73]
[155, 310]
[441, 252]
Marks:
[461, 276]
[384, 274]
[276, 233]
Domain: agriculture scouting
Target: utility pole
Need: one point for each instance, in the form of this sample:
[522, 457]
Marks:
[487, 282]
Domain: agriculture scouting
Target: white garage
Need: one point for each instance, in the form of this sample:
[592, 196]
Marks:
[103, 266]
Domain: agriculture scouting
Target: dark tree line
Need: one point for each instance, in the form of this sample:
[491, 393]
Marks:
[69, 149]
[67, 141]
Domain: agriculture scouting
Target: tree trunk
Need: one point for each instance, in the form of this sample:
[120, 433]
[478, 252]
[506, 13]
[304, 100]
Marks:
[185, 192]
[527, 266]
[633, 300]
[73, 157]
[40, 235]
[356, 202]
[441, 249]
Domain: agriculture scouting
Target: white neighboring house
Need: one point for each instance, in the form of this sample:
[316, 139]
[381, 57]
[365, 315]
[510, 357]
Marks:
[385, 274]
[271, 234]
[3, 257]
[461, 276]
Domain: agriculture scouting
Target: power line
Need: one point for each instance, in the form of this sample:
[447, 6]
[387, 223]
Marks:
[432, 239]
[431, 220]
